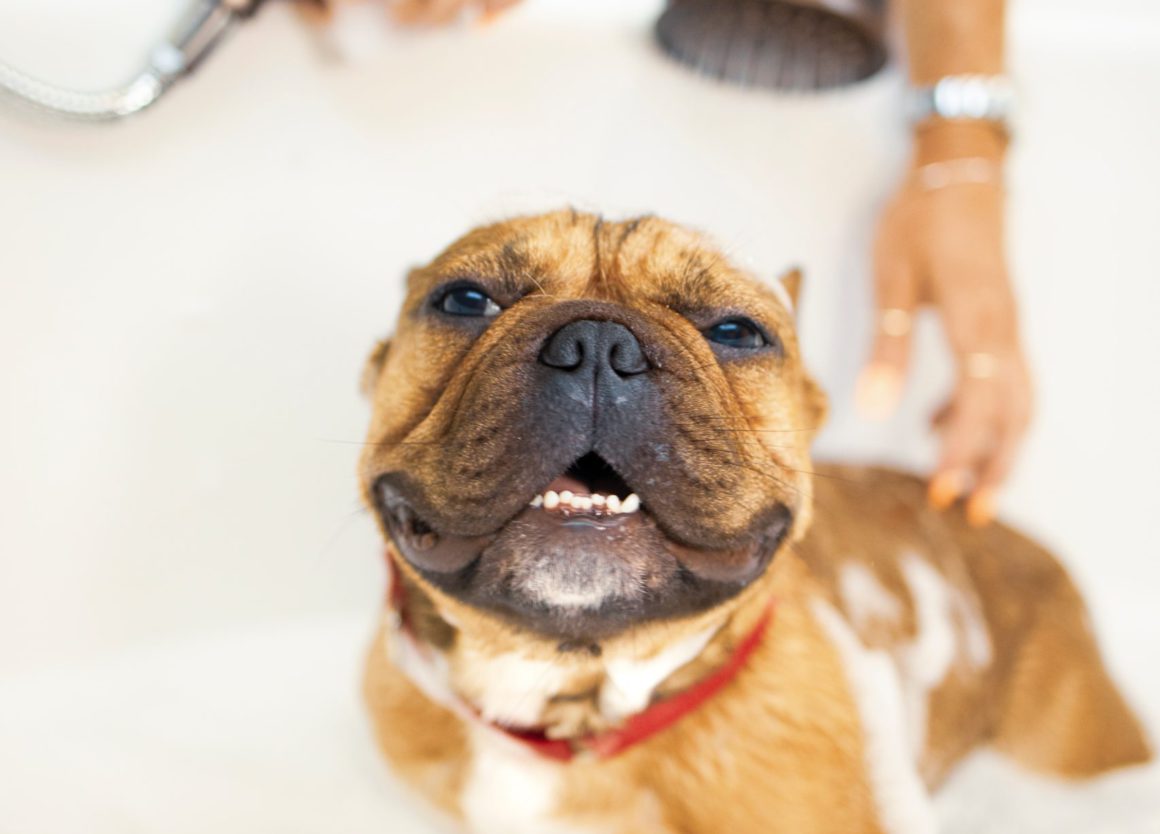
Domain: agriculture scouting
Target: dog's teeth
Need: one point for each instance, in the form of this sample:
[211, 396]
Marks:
[603, 504]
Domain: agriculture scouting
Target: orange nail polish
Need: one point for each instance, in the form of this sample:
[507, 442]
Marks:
[981, 508]
[945, 487]
[492, 14]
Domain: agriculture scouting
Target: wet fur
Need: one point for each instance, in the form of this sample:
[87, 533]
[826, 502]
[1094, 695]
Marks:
[785, 747]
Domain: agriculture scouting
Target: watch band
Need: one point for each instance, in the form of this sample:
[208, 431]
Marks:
[989, 98]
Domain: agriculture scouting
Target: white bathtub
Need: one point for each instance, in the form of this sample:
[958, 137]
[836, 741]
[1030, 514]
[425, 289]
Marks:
[186, 299]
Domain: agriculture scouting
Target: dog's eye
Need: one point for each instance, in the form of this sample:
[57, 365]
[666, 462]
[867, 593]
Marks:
[468, 301]
[737, 333]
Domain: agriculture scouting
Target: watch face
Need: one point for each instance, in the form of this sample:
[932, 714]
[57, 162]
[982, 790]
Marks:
[987, 97]
[973, 97]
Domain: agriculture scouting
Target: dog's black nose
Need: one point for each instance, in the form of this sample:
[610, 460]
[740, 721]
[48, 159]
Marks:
[588, 347]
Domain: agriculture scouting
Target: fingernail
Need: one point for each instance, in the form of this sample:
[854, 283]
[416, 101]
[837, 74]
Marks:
[981, 508]
[490, 16]
[879, 388]
[945, 487]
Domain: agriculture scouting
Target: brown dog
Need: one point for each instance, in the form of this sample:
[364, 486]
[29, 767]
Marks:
[623, 601]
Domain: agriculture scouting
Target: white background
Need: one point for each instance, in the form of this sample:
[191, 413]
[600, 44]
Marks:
[186, 299]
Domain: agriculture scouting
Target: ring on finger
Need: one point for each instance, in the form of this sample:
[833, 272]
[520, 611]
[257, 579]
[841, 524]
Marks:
[894, 321]
[980, 365]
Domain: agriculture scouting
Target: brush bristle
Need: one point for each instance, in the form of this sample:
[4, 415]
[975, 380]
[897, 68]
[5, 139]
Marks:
[774, 43]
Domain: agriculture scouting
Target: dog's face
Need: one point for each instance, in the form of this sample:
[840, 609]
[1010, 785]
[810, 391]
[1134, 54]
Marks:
[581, 426]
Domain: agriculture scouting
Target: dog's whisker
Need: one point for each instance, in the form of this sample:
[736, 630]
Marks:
[343, 525]
[771, 431]
[380, 443]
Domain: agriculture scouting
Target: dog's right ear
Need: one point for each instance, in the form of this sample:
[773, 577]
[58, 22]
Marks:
[374, 367]
[791, 283]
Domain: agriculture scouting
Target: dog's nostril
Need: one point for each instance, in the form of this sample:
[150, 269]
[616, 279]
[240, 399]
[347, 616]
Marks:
[420, 527]
[565, 348]
[625, 356]
[588, 344]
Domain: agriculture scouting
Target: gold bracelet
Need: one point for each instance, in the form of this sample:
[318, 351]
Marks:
[971, 170]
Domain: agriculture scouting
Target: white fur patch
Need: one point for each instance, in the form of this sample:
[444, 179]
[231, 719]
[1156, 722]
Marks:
[511, 789]
[559, 586]
[971, 635]
[903, 804]
[927, 660]
[866, 600]
[552, 591]
[512, 689]
[948, 627]
[631, 681]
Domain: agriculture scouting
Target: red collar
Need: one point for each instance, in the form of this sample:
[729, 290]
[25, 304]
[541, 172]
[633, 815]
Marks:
[636, 728]
[653, 719]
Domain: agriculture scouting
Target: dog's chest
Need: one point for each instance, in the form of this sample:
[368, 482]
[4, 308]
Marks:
[899, 645]
[512, 789]
[519, 691]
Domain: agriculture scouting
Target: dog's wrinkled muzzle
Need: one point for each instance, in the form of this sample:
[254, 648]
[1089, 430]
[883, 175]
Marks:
[573, 485]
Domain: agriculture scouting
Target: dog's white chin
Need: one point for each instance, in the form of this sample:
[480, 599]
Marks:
[570, 591]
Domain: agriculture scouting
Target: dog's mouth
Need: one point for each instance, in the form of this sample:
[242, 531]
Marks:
[586, 557]
[588, 493]
[589, 489]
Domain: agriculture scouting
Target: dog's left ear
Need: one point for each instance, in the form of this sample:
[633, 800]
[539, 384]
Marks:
[791, 282]
[816, 401]
[374, 367]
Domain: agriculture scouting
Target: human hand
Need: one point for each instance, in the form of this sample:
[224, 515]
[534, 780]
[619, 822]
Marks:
[442, 12]
[940, 243]
[418, 12]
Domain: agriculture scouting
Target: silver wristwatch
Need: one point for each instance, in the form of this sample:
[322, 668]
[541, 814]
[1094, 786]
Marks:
[989, 98]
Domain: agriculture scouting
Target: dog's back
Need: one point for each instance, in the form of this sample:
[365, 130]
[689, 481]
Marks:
[989, 639]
